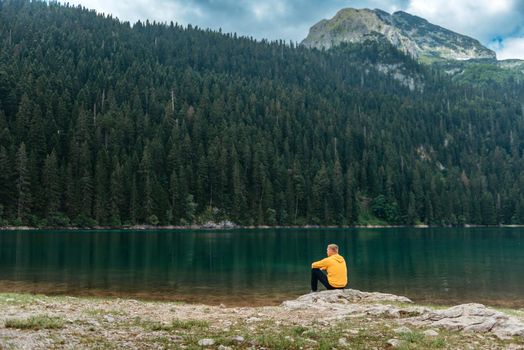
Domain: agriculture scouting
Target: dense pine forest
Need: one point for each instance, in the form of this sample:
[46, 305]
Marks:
[103, 122]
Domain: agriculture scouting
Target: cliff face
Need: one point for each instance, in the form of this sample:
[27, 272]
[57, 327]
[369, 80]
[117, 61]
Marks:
[411, 34]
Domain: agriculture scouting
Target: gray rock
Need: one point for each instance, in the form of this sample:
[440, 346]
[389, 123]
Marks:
[238, 339]
[223, 347]
[206, 342]
[402, 330]
[430, 333]
[341, 297]
[471, 318]
[343, 342]
[395, 343]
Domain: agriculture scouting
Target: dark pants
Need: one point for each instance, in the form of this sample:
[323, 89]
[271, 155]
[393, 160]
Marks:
[318, 275]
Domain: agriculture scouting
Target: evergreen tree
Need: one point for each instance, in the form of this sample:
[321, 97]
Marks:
[23, 185]
[51, 182]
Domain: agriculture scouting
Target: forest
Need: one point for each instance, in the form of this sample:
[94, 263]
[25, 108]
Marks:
[104, 122]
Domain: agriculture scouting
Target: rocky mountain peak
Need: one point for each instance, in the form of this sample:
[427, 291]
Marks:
[411, 34]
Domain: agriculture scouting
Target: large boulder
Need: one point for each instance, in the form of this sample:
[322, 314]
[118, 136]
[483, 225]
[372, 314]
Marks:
[471, 317]
[340, 304]
[330, 298]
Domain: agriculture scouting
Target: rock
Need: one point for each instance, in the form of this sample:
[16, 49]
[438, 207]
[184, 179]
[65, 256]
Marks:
[395, 343]
[206, 342]
[289, 338]
[402, 330]
[343, 342]
[223, 347]
[340, 297]
[238, 339]
[430, 333]
[472, 318]
[411, 34]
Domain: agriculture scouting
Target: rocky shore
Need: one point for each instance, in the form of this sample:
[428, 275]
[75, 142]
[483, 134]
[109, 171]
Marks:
[348, 319]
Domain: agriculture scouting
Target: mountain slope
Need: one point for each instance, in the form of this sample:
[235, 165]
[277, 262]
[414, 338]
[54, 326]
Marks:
[106, 123]
[411, 34]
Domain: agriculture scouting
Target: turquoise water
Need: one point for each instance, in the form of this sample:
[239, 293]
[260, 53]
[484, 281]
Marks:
[247, 267]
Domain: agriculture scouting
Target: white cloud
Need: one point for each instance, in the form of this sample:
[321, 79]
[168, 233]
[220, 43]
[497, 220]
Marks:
[134, 10]
[476, 18]
[510, 48]
[268, 10]
[484, 20]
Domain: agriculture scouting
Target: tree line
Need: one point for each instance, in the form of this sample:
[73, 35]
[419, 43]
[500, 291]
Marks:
[107, 123]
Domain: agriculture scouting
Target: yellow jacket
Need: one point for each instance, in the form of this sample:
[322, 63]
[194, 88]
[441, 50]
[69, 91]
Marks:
[335, 265]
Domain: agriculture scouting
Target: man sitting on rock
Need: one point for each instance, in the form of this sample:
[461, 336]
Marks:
[336, 269]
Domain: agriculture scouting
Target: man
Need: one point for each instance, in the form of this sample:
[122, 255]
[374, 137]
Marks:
[336, 269]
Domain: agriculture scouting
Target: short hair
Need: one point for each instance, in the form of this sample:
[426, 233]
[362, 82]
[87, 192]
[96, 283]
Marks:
[333, 247]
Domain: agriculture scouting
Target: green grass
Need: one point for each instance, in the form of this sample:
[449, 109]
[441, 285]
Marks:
[189, 324]
[175, 324]
[18, 298]
[102, 312]
[35, 322]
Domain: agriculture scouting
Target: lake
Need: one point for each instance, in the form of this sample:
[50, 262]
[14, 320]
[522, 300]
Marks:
[266, 266]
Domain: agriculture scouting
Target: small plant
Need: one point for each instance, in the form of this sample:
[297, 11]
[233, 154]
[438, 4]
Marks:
[35, 322]
[189, 324]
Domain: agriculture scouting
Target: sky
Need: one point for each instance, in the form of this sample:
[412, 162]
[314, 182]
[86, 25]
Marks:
[498, 24]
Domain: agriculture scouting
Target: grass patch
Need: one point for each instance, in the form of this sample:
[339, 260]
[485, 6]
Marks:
[176, 324]
[189, 324]
[102, 312]
[35, 322]
[17, 299]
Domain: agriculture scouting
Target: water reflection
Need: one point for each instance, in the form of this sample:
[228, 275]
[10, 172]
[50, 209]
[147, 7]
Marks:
[266, 266]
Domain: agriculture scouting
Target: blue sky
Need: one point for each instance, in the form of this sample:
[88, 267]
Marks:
[498, 24]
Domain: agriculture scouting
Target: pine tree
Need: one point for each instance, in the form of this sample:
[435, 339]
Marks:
[51, 182]
[23, 185]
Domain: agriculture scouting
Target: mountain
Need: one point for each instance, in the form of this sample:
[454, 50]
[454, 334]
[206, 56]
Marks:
[412, 35]
[107, 123]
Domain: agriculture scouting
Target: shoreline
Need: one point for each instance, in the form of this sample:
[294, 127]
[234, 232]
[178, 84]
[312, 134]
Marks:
[220, 227]
[348, 319]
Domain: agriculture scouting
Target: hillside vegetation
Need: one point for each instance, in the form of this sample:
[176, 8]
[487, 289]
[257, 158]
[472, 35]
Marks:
[103, 122]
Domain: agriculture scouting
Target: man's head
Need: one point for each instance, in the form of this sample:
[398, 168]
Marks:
[332, 249]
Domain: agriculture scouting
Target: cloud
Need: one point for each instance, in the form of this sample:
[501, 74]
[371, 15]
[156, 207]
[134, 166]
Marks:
[481, 19]
[269, 19]
[496, 23]
[509, 48]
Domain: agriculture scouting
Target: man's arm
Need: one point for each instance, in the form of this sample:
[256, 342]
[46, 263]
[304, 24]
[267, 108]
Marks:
[321, 264]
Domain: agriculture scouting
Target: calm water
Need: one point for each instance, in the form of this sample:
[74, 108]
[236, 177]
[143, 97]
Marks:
[246, 267]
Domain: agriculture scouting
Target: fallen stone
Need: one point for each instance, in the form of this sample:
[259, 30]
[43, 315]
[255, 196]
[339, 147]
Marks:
[206, 342]
[430, 333]
[238, 339]
[343, 342]
[402, 330]
[395, 343]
